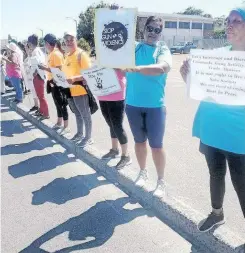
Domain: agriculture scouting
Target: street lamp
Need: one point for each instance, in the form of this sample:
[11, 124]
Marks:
[41, 31]
[71, 18]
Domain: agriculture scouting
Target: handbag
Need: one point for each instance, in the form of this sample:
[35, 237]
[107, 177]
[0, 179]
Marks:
[91, 100]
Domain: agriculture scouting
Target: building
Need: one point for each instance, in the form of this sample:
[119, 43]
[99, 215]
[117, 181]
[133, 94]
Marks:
[3, 43]
[178, 28]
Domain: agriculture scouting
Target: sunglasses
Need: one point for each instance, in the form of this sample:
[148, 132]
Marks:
[151, 29]
[233, 22]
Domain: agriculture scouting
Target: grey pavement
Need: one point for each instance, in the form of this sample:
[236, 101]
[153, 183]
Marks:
[53, 202]
[186, 171]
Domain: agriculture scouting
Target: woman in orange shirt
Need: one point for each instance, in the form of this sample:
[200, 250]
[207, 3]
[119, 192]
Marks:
[75, 61]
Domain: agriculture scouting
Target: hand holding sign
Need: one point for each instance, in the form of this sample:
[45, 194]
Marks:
[60, 78]
[101, 81]
[218, 76]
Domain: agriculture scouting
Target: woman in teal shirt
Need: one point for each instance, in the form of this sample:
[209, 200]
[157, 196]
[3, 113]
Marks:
[145, 105]
[221, 130]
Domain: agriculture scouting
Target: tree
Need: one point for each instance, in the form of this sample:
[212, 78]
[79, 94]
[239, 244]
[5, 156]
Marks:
[41, 42]
[194, 11]
[219, 34]
[86, 24]
[84, 45]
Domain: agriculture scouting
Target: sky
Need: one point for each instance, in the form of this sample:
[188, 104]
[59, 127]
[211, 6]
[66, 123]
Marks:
[21, 18]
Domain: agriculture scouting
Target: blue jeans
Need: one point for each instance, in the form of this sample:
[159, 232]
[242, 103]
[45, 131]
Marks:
[16, 82]
[147, 123]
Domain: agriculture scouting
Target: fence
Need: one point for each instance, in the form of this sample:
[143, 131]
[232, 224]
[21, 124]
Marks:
[199, 42]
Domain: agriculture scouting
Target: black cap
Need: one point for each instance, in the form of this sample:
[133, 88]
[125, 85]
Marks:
[50, 38]
[33, 39]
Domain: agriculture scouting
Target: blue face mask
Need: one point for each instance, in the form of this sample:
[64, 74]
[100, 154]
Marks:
[241, 11]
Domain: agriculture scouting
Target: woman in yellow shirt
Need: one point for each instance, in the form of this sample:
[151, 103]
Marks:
[75, 61]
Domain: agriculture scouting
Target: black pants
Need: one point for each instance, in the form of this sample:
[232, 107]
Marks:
[60, 100]
[113, 112]
[216, 160]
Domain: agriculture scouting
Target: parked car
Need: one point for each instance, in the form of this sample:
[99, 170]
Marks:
[182, 48]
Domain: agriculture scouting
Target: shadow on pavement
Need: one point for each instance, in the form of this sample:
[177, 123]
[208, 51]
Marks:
[62, 190]
[38, 164]
[11, 127]
[37, 144]
[99, 222]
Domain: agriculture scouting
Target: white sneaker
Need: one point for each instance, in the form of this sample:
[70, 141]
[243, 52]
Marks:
[142, 178]
[160, 190]
[65, 131]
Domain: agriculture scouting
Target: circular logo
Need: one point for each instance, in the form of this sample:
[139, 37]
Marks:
[114, 35]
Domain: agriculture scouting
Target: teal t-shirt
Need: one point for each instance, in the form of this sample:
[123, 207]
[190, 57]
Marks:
[221, 126]
[148, 91]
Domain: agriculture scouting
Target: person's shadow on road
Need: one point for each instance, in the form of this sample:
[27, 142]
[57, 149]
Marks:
[37, 144]
[99, 222]
[39, 164]
[11, 127]
[62, 190]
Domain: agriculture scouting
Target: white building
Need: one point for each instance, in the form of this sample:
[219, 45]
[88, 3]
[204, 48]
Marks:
[179, 27]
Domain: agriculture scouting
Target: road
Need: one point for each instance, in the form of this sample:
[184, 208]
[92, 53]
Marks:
[53, 202]
[186, 171]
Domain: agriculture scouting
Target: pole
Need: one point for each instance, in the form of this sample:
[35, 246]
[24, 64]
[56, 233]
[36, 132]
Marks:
[74, 21]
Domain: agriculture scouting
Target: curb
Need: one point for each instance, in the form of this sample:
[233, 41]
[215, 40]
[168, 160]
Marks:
[173, 212]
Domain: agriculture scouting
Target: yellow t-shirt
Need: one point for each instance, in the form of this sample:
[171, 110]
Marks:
[55, 59]
[73, 65]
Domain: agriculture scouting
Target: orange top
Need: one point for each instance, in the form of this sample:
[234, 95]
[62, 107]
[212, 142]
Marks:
[55, 59]
[73, 65]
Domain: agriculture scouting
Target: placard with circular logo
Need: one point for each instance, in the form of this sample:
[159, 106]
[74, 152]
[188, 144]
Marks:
[115, 37]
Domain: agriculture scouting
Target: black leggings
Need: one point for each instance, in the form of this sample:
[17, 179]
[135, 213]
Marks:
[216, 160]
[113, 112]
[60, 101]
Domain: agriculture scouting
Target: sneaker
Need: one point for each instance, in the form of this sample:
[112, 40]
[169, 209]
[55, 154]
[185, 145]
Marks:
[111, 155]
[142, 178]
[42, 117]
[26, 92]
[56, 127]
[37, 113]
[77, 137]
[65, 131]
[125, 161]
[34, 108]
[83, 143]
[211, 221]
[160, 189]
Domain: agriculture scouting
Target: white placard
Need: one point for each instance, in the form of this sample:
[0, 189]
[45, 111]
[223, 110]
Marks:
[102, 81]
[34, 63]
[218, 76]
[60, 78]
[115, 37]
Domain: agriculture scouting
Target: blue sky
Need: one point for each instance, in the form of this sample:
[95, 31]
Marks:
[21, 18]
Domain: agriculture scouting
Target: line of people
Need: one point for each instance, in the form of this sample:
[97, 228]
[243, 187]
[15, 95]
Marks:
[220, 128]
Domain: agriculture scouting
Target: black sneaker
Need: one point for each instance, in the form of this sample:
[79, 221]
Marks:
[125, 161]
[211, 221]
[111, 155]
[37, 113]
[33, 109]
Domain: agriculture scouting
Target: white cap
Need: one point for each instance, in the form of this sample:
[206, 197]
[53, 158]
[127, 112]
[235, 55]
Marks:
[12, 46]
[70, 33]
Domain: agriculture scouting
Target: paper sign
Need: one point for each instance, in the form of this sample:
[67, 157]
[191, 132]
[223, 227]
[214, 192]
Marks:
[218, 76]
[60, 78]
[34, 63]
[115, 37]
[101, 81]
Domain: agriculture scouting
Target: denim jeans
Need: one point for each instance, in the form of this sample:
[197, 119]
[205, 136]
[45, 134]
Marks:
[16, 82]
